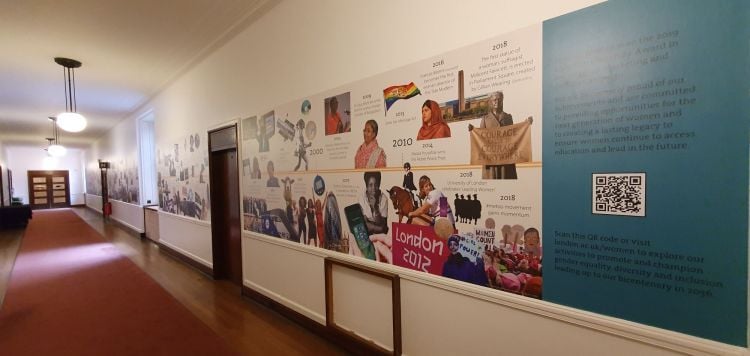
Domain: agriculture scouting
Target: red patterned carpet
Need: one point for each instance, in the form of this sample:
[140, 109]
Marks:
[73, 293]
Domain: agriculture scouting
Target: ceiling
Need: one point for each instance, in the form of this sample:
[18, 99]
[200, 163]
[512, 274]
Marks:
[130, 50]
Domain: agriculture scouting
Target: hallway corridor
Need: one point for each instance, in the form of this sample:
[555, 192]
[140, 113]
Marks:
[244, 325]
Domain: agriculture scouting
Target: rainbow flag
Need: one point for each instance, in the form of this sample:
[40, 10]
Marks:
[396, 92]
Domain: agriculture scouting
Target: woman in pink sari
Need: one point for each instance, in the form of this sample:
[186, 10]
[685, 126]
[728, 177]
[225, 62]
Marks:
[369, 154]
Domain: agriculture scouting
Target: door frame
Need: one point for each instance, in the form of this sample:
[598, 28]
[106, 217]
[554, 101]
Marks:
[218, 257]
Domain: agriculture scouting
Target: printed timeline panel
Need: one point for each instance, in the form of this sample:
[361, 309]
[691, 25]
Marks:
[645, 148]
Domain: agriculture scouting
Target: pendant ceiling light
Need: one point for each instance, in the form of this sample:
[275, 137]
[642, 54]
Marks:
[70, 120]
[54, 148]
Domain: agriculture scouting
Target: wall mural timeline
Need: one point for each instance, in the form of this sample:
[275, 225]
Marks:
[437, 167]
[93, 179]
[381, 168]
[182, 174]
[122, 180]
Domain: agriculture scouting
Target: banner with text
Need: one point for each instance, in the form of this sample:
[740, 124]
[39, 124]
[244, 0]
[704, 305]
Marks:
[501, 145]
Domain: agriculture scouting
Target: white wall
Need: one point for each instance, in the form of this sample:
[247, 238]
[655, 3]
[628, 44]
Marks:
[301, 48]
[94, 202]
[119, 147]
[190, 237]
[92, 174]
[130, 215]
[22, 159]
[147, 163]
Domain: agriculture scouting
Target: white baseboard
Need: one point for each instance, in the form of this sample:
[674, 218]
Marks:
[321, 319]
[188, 254]
[127, 224]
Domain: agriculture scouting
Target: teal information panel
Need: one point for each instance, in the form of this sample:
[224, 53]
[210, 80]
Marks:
[645, 151]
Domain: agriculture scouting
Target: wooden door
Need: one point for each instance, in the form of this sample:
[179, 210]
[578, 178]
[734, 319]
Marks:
[49, 189]
[225, 205]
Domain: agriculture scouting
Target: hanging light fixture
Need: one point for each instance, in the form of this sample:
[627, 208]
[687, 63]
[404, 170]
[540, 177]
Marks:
[54, 148]
[70, 120]
[57, 151]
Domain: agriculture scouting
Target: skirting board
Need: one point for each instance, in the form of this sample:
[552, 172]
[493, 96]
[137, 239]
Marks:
[657, 337]
[94, 209]
[209, 271]
[121, 224]
[352, 345]
[128, 226]
[307, 313]
[93, 202]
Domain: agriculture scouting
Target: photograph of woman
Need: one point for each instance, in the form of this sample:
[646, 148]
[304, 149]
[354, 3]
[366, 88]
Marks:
[496, 117]
[369, 154]
[255, 172]
[302, 147]
[460, 267]
[374, 205]
[319, 223]
[301, 214]
[334, 125]
[435, 203]
[312, 227]
[433, 125]
[332, 229]
[408, 183]
[337, 114]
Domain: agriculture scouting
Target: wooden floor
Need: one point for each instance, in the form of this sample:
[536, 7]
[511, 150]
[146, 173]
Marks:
[10, 240]
[248, 327]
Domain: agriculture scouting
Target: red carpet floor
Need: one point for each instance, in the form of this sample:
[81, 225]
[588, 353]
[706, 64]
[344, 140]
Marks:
[73, 293]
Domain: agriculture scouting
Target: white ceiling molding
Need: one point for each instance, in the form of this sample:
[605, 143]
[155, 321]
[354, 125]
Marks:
[131, 50]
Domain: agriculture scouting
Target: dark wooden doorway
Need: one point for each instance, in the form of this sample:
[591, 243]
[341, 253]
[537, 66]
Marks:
[49, 189]
[225, 204]
[104, 186]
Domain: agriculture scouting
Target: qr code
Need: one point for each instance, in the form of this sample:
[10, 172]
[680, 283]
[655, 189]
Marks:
[619, 194]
